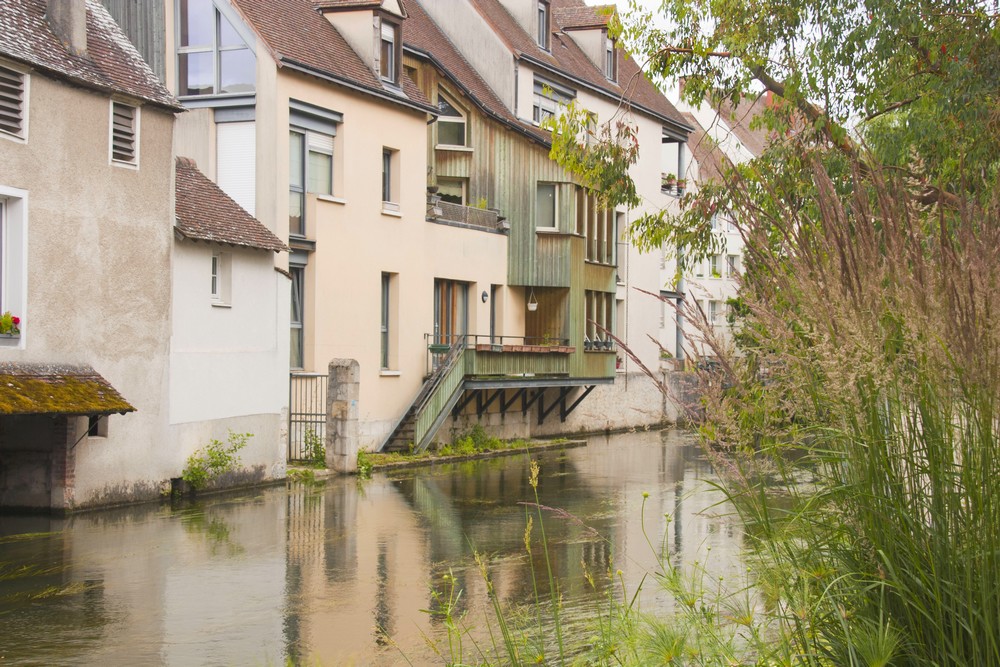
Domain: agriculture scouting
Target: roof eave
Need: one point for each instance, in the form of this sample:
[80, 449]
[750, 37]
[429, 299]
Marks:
[196, 238]
[353, 85]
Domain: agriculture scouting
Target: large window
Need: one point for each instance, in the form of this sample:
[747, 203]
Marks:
[542, 34]
[388, 324]
[13, 103]
[297, 317]
[600, 314]
[389, 51]
[451, 311]
[545, 206]
[451, 124]
[310, 159]
[212, 57]
[597, 224]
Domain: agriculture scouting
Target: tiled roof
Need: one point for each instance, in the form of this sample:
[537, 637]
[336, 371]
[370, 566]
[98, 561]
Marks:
[110, 63]
[205, 213]
[738, 118]
[567, 58]
[576, 18]
[298, 34]
[710, 158]
[36, 389]
[334, 5]
[422, 34]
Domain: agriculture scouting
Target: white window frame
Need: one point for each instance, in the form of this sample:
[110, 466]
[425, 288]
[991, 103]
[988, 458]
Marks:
[461, 119]
[390, 181]
[610, 58]
[732, 266]
[21, 136]
[389, 32]
[221, 278]
[14, 259]
[543, 29]
[555, 206]
[132, 163]
[547, 98]
[220, 13]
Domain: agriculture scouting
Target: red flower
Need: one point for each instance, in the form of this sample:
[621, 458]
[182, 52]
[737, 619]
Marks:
[16, 320]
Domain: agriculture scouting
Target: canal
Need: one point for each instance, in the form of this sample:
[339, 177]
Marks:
[339, 573]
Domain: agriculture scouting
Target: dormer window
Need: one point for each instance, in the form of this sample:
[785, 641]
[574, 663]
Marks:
[543, 24]
[390, 52]
[610, 58]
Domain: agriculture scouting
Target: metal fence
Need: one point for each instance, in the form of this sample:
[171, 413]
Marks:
[306, 415]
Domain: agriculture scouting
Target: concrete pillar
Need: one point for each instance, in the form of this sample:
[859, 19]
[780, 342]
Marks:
[342, 415]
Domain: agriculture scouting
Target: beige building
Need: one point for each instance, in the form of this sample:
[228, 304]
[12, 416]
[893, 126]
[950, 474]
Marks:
[86, 174]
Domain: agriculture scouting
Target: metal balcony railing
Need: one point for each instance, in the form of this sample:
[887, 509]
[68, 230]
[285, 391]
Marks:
[477, 218]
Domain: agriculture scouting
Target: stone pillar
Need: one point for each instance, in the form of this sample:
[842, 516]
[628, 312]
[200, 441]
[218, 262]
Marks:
[342, 415]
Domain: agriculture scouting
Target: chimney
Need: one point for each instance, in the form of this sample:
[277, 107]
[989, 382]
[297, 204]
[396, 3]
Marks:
[68, 19]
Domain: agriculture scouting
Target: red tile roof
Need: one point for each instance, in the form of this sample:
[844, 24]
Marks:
[567, 59]
[297, 34]
[205, 213]
[110, 63]
[576, 18]
[421, 34]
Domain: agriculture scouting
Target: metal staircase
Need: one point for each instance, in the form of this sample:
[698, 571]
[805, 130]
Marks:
[432, 404]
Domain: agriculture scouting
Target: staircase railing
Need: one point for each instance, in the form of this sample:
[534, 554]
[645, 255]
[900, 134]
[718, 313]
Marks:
[447, 359]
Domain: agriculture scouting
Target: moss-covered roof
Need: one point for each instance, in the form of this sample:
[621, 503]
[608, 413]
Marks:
[32, 389]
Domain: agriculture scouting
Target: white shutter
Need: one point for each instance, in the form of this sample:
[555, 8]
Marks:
[236, 162]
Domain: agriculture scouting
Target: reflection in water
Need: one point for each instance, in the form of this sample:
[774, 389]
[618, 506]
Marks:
[341, 572]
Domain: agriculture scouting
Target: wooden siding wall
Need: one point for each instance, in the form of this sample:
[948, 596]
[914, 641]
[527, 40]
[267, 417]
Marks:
[552, 317]
[144, 23]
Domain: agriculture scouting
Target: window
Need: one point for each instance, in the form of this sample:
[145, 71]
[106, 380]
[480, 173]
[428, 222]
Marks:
[547, 98]
[545, 206]
[390, 180]
[212, 57]
[13, 101]
[610, 61]
[389, 51]
[387, 331]
[310, 159]
[713, 312]
[452, 190]
[13, 254]
[597, 224]
[542, 35]
[451, 125]
[97, 426]
[451, 311]
[221, 279]
[297, 345]
[600, 309]
[715, 266]
[124, 133]
[732, 265]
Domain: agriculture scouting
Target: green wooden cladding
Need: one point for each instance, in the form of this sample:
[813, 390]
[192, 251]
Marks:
[438, 401]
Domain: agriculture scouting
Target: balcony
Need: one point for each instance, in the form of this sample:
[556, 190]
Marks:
[469, 217]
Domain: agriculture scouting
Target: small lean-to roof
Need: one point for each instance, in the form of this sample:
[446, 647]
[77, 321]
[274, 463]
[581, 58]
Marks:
[567, 59]
[111, 64]
[50, 389]
[581, 18]
[422, 35]
[300, 37]
[205, 213]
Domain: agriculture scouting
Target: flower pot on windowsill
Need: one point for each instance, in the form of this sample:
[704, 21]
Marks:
[10, 336]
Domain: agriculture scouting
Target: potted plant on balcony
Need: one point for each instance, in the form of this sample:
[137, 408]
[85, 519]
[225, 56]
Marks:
[667, 181]
[681, 185]
[10, 325]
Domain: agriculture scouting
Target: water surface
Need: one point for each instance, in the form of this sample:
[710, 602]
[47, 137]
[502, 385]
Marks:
[339, 573]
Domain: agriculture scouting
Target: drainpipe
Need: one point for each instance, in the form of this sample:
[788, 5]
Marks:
[68, 20]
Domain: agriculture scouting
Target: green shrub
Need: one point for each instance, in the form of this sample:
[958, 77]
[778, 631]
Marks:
[365, 464]
[314, 449]
[213, 460]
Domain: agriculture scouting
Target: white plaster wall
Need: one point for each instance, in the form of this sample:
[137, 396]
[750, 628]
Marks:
[229, 365]
[357, 27]
[481, 46]
[98, 277]
[591, 42]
